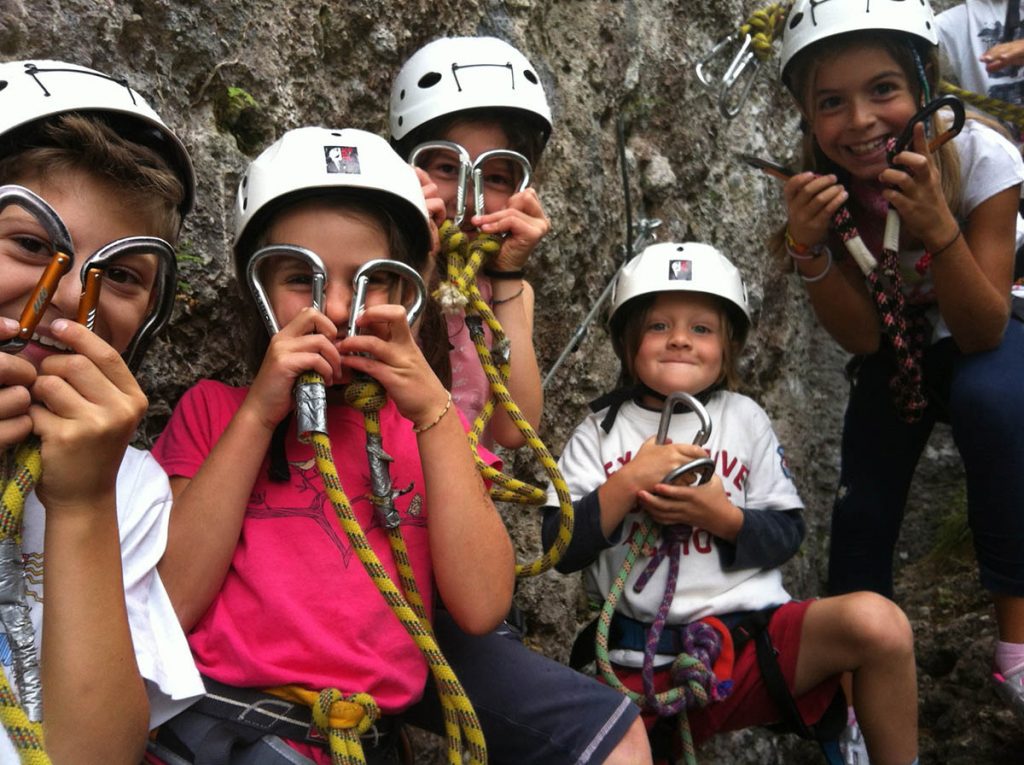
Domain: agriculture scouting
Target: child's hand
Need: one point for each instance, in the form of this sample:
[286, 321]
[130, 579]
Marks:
[525, 223]
[654, 461]
[86, 407]
[306, 343]
[435, 208]
[16, 377]
[812, 200]
[1003, 55]
[395, 361]
[917, 194]
[705, 506]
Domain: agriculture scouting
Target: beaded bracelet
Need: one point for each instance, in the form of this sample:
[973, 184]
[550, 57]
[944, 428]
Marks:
[799, 251]
[824, 273]
[424, 428]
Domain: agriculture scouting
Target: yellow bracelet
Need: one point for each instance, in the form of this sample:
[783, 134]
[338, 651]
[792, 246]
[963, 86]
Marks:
[424, 428]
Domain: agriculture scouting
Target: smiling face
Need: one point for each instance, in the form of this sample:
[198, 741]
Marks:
[682, 344]
[859, 99]
[95, 213]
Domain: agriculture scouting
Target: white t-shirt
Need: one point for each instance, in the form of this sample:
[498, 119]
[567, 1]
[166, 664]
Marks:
[163, 656]
[751, 463]
[965, 33]
[988, 164]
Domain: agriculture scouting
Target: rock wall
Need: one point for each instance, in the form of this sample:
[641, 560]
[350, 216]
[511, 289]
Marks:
[231, 76]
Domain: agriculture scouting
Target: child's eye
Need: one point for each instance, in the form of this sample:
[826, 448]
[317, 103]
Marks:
[298, 278]
[886, 88]
[702, 329]
[829, 103]
[657, 326]
[27, 247]
[122, 275]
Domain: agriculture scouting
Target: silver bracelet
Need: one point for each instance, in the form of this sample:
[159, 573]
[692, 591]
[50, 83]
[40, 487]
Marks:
[823, 274]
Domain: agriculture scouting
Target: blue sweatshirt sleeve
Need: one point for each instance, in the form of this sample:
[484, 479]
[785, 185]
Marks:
[587, 538]
[767, 539]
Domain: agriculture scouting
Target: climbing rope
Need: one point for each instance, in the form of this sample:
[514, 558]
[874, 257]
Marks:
[343, 718]
[693, 683]
[1002, 110]
[461, 293]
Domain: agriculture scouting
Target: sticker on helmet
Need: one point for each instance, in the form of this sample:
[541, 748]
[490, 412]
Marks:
[680, 270]
[342, 159]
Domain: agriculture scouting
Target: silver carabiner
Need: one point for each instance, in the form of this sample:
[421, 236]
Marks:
[465, 170]
[361, 283]
[61, 262]
[744, 68]
[166, 284]
[259, 293]
[704, 466]
[478, 173]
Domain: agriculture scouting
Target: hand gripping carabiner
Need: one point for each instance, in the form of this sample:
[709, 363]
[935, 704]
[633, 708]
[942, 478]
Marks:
[361, 284]
[61, 262]
[942, 102]
[704, 466]
[478, 174]
[165, 284]
[310, 395]
[465, 169]
[383, 491]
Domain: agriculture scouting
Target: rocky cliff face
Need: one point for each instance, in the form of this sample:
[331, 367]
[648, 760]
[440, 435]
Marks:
[232, 76]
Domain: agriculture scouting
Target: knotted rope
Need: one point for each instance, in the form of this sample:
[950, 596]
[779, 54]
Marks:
[460, 719]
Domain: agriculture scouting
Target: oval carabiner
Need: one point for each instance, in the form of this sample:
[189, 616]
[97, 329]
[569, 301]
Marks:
[947, 101]
[744, 68]
[465, 169]
[710, 81]
[259, 293]
[478, 173]
[361, 283]
[60, 263]
[165, 284]
[704, 466]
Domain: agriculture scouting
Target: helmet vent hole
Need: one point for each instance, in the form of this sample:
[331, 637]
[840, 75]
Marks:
[3, 84]
[401, 121]
[795, 20]
[429, 80]
[245, 203]
[245, 181]
[401, 96]
[530, 76]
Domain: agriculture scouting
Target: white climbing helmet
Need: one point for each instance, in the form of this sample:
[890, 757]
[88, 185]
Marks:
[314, 160]
[453, 74]
[36, 89]
[809, 21]
[682, 267]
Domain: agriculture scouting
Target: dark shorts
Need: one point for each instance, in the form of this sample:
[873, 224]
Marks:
[532, 709]
[750, 704]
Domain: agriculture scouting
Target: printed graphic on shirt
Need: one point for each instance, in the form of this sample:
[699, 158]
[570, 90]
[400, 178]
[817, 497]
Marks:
[307, 488]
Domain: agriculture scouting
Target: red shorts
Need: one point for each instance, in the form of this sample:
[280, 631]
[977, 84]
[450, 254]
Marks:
[750, 704]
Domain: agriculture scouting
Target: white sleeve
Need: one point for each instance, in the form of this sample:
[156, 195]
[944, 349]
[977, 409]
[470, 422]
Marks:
[162, 653]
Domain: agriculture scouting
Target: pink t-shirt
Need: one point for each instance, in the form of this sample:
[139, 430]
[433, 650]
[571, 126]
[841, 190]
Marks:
[297, 605]
[470, 389]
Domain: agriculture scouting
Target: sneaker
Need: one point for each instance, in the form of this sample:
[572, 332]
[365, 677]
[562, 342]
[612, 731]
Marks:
[1011, 689]
[851, 744]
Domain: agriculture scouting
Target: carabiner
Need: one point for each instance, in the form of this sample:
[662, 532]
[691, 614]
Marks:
[744, 67]
[361, 283]
[259, 293]
[710, 82]
[60, 263]
[703, 466]
[478, 173]
[942, 102]
[465, 169]
[166, 283]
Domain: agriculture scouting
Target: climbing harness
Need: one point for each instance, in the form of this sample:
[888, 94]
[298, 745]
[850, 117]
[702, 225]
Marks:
[368, 396]
[694, 683]
[460, 293]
